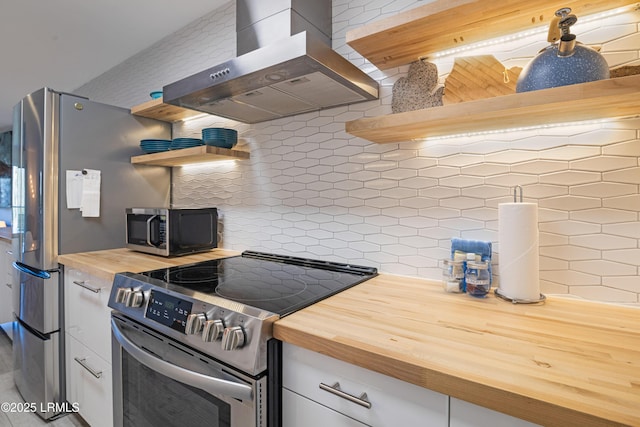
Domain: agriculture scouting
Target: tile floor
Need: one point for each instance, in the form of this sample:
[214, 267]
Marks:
[9, 393]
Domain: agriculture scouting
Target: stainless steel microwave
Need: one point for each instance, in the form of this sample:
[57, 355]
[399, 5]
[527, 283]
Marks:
[172, 232]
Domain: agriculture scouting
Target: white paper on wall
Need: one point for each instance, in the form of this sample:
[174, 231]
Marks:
[90, 202]
[74, 189]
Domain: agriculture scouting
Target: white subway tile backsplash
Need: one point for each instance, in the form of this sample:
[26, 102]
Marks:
[573, 152]
[603, 241]
[624, 43]
[603, 268]
[570, 228]
[538, 167]
[628, 148]
[631, 229]
[604, 215]
[510, 156]
[628, 283]
[603, 163]
[604, 189]
[627, 256]
[569, 177]
[631, 175]
[568, 277]
[603, 293]
[311, 189]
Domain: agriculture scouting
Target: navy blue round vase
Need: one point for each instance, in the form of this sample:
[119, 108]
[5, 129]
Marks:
[548, 69]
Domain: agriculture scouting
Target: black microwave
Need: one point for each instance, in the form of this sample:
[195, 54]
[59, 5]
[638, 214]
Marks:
[171, 232]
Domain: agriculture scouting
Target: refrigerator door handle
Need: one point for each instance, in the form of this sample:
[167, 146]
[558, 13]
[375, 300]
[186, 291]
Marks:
[42, 274]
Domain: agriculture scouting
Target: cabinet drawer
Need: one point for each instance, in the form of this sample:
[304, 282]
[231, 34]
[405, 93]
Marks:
[87, 316]
[465, 414]
[393, 402]
[299, 411]
[89, 384]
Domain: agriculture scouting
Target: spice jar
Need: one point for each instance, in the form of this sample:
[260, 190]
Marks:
[452, 275]
[477, 278]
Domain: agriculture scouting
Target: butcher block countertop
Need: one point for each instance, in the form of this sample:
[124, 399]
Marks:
[105, 264]
[566, 362]
[563, 363]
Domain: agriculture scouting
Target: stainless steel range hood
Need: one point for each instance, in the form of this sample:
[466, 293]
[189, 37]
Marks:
[279, 75]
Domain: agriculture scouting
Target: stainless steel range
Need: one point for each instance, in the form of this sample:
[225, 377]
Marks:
[194, 343]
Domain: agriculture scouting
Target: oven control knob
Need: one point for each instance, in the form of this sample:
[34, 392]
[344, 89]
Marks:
[122, 296]
[134, 299]
[233, 338]
[212, 330]
[194, 323]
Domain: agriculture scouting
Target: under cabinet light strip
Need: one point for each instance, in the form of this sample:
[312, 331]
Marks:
[209, 165]
[523, 34]
[196, 117]
[508, 130]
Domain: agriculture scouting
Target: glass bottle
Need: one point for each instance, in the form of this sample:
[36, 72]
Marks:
[452, 275]
[478, 278]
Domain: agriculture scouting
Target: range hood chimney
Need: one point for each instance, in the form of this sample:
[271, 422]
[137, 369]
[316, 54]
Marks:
[285, 66]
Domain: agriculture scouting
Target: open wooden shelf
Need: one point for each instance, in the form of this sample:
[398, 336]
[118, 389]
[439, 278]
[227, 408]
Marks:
[619, 97]
[156, 109]
[186, 156]
[445, 24]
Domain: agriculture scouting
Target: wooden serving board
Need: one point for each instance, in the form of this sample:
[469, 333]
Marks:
[478, 77]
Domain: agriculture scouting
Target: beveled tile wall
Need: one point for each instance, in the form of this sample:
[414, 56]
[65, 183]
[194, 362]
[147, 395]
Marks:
[312, 190]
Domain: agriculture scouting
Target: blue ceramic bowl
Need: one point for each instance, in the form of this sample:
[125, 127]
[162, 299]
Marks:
[220, 137]
[156, 94]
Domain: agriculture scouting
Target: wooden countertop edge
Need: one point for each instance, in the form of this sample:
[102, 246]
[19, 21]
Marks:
[520, 406]
[106, 263]
[348, 342]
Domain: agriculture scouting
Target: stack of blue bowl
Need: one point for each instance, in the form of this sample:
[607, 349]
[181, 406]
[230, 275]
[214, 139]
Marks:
[179, 143]
[154, 145]
[220, 137]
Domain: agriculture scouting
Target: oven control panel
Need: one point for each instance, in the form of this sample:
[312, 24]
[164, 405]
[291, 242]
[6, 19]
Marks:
[233, 333]
[168, 310]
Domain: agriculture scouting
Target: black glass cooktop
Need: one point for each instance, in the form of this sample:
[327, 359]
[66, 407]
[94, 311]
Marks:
[275, 283]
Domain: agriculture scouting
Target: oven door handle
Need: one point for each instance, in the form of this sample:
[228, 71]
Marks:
[211, 385]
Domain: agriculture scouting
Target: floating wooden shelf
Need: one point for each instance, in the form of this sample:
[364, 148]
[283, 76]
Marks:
[446, 24]
[186, 156]
[619, 97]
[156, 109]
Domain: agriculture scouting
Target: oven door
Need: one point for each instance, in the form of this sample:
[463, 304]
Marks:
[158, 381]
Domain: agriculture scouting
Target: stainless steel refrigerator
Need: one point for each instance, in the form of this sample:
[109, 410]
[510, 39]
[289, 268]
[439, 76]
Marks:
[53, 133]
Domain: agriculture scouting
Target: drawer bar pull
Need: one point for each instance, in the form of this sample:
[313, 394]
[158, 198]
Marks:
[83, 363]
[84, 285]
[363, 400]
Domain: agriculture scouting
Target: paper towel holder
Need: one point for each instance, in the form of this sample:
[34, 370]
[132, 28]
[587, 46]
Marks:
[515, 192]
[519, 301]
[497, 292]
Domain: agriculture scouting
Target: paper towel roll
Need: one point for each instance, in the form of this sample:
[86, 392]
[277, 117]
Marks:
[519, 260]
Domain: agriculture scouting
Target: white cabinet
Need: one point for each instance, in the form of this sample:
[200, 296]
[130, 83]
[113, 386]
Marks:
[298, 410]
[6, 259]
[465, 414]
[88, 346]
[89, 383]
[311, 396]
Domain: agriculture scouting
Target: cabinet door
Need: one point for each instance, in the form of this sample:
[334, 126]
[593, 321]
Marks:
[87, 316]
[299, 411]
[465, 414]
[6, 309]
[393, 402]
[89, 384]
